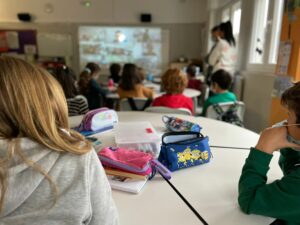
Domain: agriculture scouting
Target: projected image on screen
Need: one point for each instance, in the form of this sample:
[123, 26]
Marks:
[106, 45]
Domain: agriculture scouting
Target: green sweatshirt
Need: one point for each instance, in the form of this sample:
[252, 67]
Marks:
[279, 199]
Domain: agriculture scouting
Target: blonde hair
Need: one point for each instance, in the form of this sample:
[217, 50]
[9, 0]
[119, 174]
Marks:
[174, 81]
[33, 105]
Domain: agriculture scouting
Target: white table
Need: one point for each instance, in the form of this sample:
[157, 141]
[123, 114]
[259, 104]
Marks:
[188, 92]
[210, 188]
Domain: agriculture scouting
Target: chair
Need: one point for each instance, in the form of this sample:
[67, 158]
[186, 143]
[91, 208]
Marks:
[213, 114]
[134, 104]
[162, 109]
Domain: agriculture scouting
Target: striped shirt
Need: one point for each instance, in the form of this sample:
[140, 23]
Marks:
[77, 105]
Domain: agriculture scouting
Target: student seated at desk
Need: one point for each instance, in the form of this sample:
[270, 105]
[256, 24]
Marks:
[49, 174]
[115, 70]
[220, 83]
[174, 82]
[281, 198]
[193, 82]
[131, 85]
[77, 104]
[90, 88]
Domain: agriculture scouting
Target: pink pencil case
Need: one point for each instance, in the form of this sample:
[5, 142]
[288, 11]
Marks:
[132, 161]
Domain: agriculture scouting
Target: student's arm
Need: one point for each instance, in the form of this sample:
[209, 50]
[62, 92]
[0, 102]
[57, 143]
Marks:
[98, 88]
[103, 209]
[279, 199]
[215, 55]
[148, 92]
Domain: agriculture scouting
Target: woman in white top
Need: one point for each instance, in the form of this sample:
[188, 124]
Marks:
[49, 174]
[224, 54]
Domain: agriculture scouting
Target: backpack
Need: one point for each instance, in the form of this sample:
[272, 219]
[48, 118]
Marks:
[230, 115]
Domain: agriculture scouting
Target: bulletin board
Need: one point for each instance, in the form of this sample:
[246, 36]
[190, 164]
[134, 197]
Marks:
[20, 42]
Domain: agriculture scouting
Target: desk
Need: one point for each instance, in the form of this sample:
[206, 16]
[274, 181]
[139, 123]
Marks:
[210, 188]
[188, 92]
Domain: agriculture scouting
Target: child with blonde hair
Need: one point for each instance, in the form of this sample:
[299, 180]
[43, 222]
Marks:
[49, 174]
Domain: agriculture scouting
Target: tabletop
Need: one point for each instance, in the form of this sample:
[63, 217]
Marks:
[210, 188]
[188, 92]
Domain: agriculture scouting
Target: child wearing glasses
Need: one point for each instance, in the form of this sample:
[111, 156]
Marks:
[281, 198]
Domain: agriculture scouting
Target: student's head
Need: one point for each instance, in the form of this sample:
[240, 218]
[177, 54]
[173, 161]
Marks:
[191, 71]
[94, 70]
[215, 33]
[91, 71]
[226, 32]
[291, 100]
[32, 105]
[220, 81]
[115, 69]
[130, 77]
[66, 77]
[174, 81]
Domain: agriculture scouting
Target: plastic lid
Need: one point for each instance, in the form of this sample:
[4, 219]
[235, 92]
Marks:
[135, 132]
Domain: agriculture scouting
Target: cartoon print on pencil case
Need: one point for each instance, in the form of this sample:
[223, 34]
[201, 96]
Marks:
[191, 156]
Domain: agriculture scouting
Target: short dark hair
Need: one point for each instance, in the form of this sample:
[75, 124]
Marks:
[222, 78]
[291, 99]
[66, 77]
[191, 70]
[130, 77]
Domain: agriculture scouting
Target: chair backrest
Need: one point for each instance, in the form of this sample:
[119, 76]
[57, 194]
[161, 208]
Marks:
[140, 103]
[162, 109]
[240, 110]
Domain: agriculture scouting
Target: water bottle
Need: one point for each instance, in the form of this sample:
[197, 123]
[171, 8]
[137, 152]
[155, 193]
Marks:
[176, 124]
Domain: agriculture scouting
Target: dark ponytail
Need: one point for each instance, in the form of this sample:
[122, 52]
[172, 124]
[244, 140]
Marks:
[226, 29]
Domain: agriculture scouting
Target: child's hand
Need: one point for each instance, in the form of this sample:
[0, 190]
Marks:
[272, 139]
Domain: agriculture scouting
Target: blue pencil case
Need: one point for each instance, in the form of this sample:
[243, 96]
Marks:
[181, 150]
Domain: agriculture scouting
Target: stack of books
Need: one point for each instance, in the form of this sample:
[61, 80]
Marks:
[125, 181]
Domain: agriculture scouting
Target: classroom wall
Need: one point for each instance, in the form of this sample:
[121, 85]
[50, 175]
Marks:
[106, 11]
[185, 39]
[184, 19]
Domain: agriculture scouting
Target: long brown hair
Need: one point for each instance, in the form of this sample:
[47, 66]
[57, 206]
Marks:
[32, 105]
[130, 77]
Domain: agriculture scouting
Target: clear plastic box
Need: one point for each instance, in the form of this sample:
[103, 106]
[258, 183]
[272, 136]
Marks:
[138, 136]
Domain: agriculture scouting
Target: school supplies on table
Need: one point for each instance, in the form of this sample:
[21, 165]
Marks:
[98, 120]
[129, 166]
[181, 150]
[116, 172]
[176, 124]
[138, 136]
[126, 184]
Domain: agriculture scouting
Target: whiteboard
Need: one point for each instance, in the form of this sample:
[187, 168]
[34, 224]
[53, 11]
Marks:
[54, 44]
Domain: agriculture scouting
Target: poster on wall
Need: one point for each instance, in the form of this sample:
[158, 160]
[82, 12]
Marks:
[3, 42]
[13, 39]
[281, 84]
[284, 54]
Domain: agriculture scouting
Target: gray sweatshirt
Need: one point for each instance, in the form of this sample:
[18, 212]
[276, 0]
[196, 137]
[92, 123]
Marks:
[84, 192]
